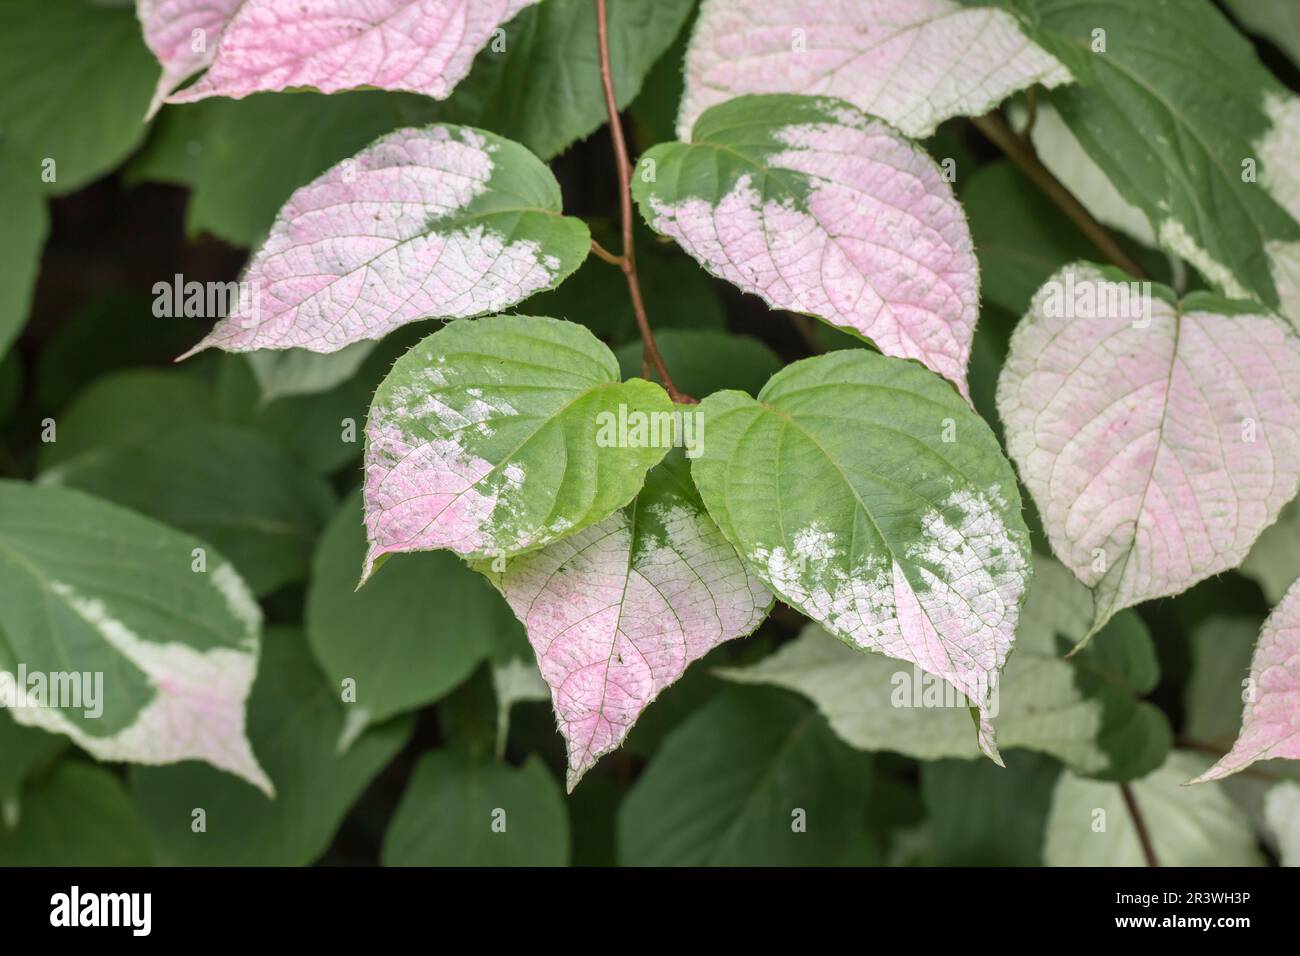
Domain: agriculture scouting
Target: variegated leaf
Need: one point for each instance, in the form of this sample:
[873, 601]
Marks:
[868, 495]
[819, 208]
[183, 36]
[439, 222]
[501, 435]
[1157, 438]
[161, 626]
[615, 613]
[422, 46]
[912, 62]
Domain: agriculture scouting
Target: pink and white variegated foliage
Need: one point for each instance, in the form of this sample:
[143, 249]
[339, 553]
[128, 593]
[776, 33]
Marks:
[819, 208]
[255, 46]
[615, 613]
[1158, 438]
[440, 222]
[913, 63]
[1270, 724]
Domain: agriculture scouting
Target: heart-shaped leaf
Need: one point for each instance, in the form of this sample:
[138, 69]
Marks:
[1158, 439]
[868, 495]
[615, 613]
[503, 434]
[1270, 724]
[89, 589]
[439, 222]
[423, 46]
[819, 208]
[912, 62]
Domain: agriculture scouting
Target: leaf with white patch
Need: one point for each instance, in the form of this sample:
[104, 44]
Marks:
[615, 613]
[1270, 724]
[501, 435]
[97, 589]
[1199, 141]
[912, 62]
[1157, 438]
[183, 36]
[422, 46]
[868, 495]
[818, 208]
[1082, 710]
[1090, 824]
[441, 221]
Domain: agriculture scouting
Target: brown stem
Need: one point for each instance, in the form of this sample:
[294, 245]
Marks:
[605, 254]
[627, 261]
[993, 126]
[1031, 114]
[1139, 824]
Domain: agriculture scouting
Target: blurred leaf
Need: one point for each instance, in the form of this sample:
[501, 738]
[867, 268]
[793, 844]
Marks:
[77, 79]
[1212, 699]
[418, 628]
[126, 408]
[11, 384]
[78, 815]
[984, 815]
[282, 373]
[24, 750]
[21, 241]
[1274, 561]
[111, 333]
[736, 784]
[230, 486]
[460, 811]
[295, 720]
[1282, 811]
[702, 362]
[1090, 825]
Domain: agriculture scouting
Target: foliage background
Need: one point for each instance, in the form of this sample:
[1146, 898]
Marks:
[189, 195]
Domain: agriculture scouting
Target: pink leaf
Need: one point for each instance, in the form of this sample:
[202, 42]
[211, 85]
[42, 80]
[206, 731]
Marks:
[1270, 726]
[444, 221]
[422, 46]
[615, 613]
[818, 208]
[1157, 439]
[183, 36]
[912, 62]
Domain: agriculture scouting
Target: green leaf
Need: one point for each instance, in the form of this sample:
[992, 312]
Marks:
[230, 486]
[291, 372]
[1082, 710]
[94, 589]
[1215, 695]
[1090, 825]
[544, 89]
[500, 435]
[25, 750]
[1277, 22]
[701, 362]
[755, 778]
[125, 408]
[321, 430]
[21, 241]
[77, 79]
[295, 720]
[459, 811]
[869, 496]
[418, 629]
[1173, 131]
[11, 384]
[982, 815]
[78, 815]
